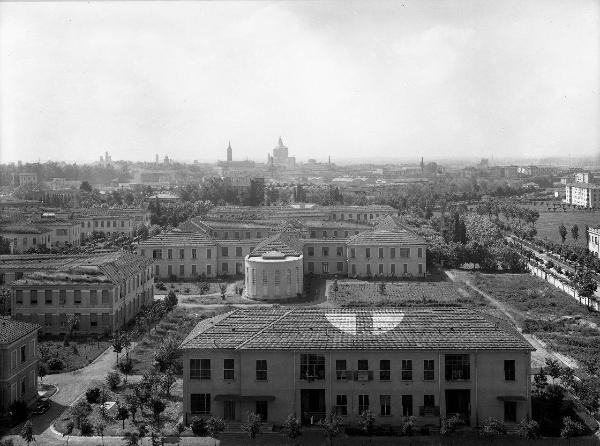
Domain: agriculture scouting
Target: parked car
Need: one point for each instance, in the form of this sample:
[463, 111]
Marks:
[42, 406]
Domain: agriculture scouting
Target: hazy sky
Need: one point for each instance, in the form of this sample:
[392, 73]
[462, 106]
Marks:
[346, 79]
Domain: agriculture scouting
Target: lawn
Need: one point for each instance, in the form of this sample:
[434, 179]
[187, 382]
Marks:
[177, 323]
[114, 427]
[79, 353]
[403, 293]
[548, 223]
[550, 314]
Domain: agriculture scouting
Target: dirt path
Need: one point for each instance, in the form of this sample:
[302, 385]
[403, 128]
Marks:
[538, 357]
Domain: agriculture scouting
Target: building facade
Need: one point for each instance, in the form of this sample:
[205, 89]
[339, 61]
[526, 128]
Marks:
[421, 362]
[18, 362]
[594, 240]
[25, 236]
[102, 292]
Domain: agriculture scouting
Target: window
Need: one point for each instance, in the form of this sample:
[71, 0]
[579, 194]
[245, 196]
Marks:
[310, 251]
[157, 253]
[325, 251]
[33, 297]
[77, 297]
[104, 297]
[392, 269]
[368, 269]
[169, 253]
[208, 270]
[182, 253]
[393, 253]
[429, 401]
[341, 404]
[368, 253]
[23, 354]
[238, 251]
[261, 369]
[324, 234]
[341, 372]
[200, 403]
[199, 368]
[363, 403]
[258, 234]
[93, 297]
[352, 253]
[262, 410]
[48, 320]
[419, 252]
[380, 268]
[405, 268]
[325, 267]
[237, 235]
[193, 253]
[182, 270]
[457, 367]
[428, 370]
[48, 297]
[194, 270]
[229, 369]
[225, 251]
[62, 296]
[385, 404]
[208, 253]
[339, 251]
[311, 267]
[340, 267]
[312, 367]
[381, 253]
[420, 268]
[405, 252]
[363, 364]
[407, 405]
[384, 370]
[509, 370]
[407, 370]
[19, 296]
[247, 234]
[313, 234]
[510, 411]
[93, 320]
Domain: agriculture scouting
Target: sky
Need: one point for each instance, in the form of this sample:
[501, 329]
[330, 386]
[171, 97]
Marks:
[350, 79]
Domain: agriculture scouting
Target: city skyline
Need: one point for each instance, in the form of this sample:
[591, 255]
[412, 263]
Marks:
[460, 80]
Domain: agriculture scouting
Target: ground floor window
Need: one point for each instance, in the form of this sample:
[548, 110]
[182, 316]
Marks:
[363, 403]
[200, 403]
[385, 402]
[341, 404]
[407, 405]
[262, 410]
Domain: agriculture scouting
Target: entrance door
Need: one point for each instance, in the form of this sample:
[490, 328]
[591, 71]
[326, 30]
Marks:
[312, 405]
[229, 410]
[458, 402]
[262, 410]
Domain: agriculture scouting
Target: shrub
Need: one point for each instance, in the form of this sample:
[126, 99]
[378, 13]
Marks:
[571, 428]
[198, 426]
[113, 379]
[215, 426]
[493, 427]
[528, 429]
[86, 427]
[409, 427]
[92, 395]
[56, 364]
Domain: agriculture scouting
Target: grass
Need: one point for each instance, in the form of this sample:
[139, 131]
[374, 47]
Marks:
[552, 315]
[403, 293]
[548, 223]
[78, 354]
[114, 427]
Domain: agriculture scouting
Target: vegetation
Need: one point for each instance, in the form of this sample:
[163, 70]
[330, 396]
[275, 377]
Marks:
[331, 425]
[253, 425]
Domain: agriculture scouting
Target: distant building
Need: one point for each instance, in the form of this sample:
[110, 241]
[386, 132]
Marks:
[103, 292]
[426, 363]
[583, 191]
[281, 158]
[229, 153]
[594, 240]
[23, 236]
[18, 362]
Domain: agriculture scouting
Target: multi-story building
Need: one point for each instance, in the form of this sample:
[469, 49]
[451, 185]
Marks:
[422, 362]
[594, 240]
[23, 236]
[103, 292]
[18, 362]
[119, 221]
[586, 195]
[65, 232]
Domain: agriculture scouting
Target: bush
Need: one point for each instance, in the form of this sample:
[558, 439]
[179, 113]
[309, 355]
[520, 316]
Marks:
[86, 427]
[409, 427]
[199, 427]
[18, 411]
[113, 379]
[56, 364]
[92, 395]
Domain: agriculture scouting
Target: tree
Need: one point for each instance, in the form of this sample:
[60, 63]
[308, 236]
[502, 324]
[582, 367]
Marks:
[80, 412]
[158, 407]
[198, 426]
[215, 426]
[562, 231]
[92, 395]
[252, 426]
[167, 354]
[571, 428]
[584, 283]
[156, 438]
[367, 422]
[126, 367]
[171, 299]
[381, 287]
[117, 344]
[100, 427]
[553, 368]
[223, 289]
[167, 380]
[528, 429]
[68, 430]
[587, 234]
[27, 432]
[122, 414]
[331, 425]
[42, 371]
[113, 379]
[575, 232]
[131, 439]
[85, 187]
[292, 426]
[133, 403]
[540, 381]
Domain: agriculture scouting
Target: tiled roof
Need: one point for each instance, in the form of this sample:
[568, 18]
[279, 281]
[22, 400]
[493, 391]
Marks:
[382, 236]
[23, 228]
[292, 225]
[434, 328]
[12, 330]
[34, 261]
[110, 268]
[287, 244]
[178, 238]
[390, 223]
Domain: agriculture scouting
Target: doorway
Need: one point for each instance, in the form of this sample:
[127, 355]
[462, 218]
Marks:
[458, 402]
[312, 405]
[229, 410]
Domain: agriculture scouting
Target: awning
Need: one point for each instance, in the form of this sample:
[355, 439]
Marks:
[512, 398]
[233, 397]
